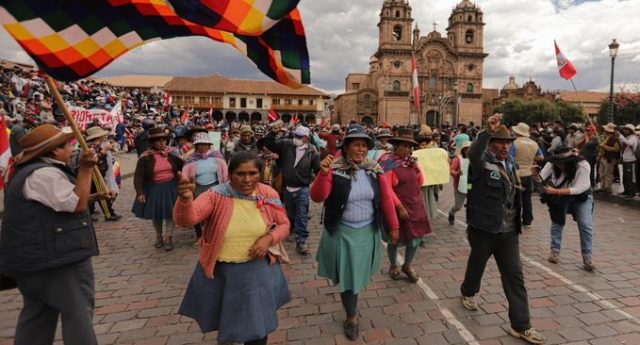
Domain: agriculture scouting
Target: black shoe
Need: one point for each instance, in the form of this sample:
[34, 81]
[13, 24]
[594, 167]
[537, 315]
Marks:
[351, 331]
[452, 219]
[302, 249]
[114, 218]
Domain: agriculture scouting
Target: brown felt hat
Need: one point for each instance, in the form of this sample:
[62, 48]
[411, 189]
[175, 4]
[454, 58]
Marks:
[405, 135]
[40, 141]
[502, 133]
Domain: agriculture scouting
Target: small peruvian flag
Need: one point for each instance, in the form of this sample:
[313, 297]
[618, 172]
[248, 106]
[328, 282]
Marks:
[210, 113]
[185, 116]
[167, 101]
[567, 70]
[294, 120]
[273, 115]
[416, 85]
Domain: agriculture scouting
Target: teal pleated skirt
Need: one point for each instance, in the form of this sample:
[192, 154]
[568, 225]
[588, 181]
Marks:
[350, 257]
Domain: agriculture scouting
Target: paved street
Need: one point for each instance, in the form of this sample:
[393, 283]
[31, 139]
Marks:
[139, 289]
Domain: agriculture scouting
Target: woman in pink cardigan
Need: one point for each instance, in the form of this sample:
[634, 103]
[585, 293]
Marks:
[238, 285]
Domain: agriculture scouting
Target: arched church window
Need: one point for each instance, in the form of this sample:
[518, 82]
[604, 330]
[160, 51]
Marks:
[367, 101]
[396, 85]
[397, 32]
[397, 14]
[469, 88]
[469, 37]
[433, 82]
[470, 19]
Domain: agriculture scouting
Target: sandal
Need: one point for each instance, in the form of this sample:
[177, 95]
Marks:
[394, 272]
[413, 276]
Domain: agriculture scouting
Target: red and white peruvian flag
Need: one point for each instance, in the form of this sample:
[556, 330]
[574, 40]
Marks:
[185, 116]
[167, 101]
[416, 84]
[5, 152]
[567, 70]
[210, 113]
[273, 115]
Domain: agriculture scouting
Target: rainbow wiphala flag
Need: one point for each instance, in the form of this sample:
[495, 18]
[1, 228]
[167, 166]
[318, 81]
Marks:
[72, 39]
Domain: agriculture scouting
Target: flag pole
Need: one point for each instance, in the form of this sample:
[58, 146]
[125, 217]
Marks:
[101, 185]
[575, 89]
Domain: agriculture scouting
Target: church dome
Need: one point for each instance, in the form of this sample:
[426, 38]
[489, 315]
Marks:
[511, 85]
[434, 34]
[466, 4]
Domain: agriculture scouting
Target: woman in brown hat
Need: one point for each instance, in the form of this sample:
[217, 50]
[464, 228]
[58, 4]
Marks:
[155, 181]
[406, 179]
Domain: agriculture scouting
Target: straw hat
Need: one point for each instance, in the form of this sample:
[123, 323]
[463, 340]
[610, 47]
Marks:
[521, 129]
[464, 145]
[40, 141]
[630, 127]
[609, 127]
[95, 133]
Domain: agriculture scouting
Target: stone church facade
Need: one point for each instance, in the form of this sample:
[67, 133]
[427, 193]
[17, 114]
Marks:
[450, 71]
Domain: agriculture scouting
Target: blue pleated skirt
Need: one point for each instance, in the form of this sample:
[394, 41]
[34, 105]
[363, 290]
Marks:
[241, 302]
[161, 197]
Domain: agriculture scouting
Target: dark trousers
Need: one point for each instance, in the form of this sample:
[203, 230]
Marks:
[66, 292]
[630, 178]
[527, 206]
[505, 248]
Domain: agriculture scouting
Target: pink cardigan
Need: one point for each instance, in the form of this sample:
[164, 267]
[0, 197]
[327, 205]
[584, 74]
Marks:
[323, 184]
[216, 210]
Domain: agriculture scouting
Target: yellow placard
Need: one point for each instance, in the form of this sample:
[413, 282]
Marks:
[434, 164]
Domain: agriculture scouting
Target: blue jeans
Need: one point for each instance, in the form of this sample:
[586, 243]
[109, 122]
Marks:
[297, 205]
[584, 216]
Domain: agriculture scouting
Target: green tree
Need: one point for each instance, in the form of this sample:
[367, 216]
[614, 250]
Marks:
[627, 109]
[571, 113]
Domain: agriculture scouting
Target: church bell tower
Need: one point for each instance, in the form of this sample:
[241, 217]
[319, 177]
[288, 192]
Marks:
[395, 25]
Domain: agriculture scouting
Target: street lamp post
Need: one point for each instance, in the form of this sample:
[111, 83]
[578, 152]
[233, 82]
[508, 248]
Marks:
[613, 52]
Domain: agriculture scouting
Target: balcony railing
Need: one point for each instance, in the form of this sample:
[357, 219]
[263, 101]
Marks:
[182, 103]
[295, 107]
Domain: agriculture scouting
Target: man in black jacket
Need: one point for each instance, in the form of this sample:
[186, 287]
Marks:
[47, 239]
[494, 225]
[299, 162]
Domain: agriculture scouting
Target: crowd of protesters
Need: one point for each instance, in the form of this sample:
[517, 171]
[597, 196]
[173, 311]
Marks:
[248, 188]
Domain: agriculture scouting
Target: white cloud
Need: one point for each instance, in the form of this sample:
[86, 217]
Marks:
[343, 35]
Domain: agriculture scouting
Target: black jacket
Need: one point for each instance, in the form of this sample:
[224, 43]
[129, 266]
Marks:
[35, 237]
[488, 198]
[303, 173]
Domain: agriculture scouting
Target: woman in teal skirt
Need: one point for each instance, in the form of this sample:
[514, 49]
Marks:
[358, 207]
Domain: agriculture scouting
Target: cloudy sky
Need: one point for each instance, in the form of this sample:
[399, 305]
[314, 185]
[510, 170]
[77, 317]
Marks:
[342, 35]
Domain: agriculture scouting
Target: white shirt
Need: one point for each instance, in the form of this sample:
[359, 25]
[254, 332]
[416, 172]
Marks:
[580, 184]
[630, 144]
[52, 188]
